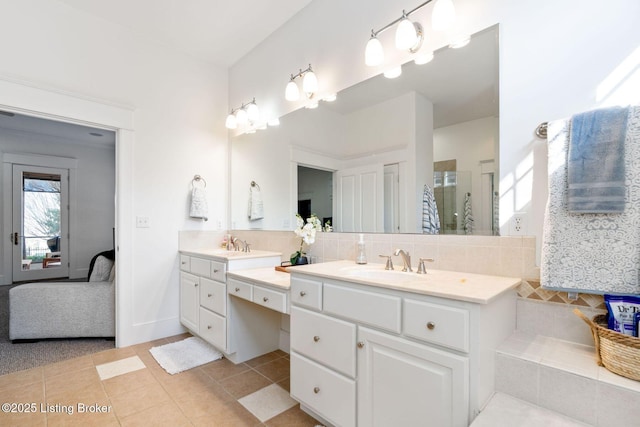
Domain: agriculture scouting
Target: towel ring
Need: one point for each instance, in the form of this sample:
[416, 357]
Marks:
[198, 178]
[541, 130]
[255, 184]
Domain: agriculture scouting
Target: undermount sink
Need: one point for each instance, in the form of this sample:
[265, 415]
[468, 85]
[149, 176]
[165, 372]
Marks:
[381, 274]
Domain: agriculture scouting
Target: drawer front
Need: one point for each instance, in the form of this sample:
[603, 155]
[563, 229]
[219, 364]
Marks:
[218, 271]
[438, 324]
[367, 307]
[329, 341]
[213, 328]
[213, 295]
[271, 299]
[306, 293]
[185, 263]
[201, 267]
[240, 289]
[329, 394]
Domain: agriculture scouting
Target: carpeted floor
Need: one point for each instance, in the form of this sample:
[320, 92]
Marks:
[17, 357]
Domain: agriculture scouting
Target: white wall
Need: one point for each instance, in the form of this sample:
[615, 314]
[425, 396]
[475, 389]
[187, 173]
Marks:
[554, 58]
[180, 105]
[95, 189]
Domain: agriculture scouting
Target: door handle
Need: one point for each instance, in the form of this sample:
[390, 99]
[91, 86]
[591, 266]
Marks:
[16, 239]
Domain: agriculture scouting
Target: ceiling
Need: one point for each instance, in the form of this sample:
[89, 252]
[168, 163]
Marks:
[217, 31]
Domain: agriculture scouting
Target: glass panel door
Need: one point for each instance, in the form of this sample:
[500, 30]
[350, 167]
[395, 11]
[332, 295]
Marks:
[40, 200]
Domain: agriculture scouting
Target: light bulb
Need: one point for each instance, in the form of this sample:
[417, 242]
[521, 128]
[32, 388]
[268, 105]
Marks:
[423, 58]
[373, 54]
[406, 36]
[309, 83]
[444, 15]
[253, 113]
[292, 93]
[231, 122]
[241, 117]
[393, 72]
[274, 122]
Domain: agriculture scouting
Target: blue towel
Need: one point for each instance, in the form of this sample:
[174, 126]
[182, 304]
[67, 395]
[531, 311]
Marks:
[595, 164]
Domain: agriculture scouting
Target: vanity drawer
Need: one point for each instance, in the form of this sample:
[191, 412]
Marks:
[271, 299]
[185, 263]
[213, 295]
[324, 391]
[218, 271]
[240, 289]
[200, 266]
[329, 341]
[438, 324]
[372, 308]
[306, 292]
[213, 328]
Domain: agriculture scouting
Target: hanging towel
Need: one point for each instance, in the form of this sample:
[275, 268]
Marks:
[430, 218]
[597, 253]
[495, 214]
[467, 215]
[595, 170]
[199, 208]
[256, 207]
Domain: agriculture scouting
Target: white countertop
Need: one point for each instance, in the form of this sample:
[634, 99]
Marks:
[263, 276]
[476, 288]
[225, 255]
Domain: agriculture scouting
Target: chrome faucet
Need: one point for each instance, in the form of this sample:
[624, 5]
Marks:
[406, 259]
[240, 245]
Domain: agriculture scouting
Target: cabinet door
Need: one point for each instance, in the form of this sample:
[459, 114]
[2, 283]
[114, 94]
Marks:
[189, 300]
[408, 384]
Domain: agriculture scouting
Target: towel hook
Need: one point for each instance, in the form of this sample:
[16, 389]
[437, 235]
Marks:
[255, 184]
[541, 130]
[198, 178]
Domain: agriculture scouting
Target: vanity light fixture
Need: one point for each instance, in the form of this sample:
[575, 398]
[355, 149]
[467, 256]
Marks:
[309, 85]
[410, 35]
[244, 115]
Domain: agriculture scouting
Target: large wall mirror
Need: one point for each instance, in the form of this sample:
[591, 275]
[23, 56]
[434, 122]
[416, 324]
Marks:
[362, 162]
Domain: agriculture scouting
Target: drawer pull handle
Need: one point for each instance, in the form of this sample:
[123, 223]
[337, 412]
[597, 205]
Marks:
[195, 284]
[184, 262]
[431, 326]
[208, 326]
[209, 295]
[302, 293]
[237, 289]
[316, 338]
[360, 344]
[265, 299]
[316, 390]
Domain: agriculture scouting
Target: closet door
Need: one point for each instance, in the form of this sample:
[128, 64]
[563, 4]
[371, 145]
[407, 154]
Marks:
[360, 199]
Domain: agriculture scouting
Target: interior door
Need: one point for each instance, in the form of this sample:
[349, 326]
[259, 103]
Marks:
[359, 199]
[40, 223]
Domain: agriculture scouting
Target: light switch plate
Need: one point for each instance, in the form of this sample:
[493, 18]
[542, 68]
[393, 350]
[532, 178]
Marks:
[142, 222]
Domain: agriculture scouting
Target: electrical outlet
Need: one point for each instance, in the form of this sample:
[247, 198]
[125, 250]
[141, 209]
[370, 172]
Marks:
[142, 222]
[518, 224]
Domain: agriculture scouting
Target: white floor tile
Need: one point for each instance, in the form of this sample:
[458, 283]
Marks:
[120, 367]
[268, 402]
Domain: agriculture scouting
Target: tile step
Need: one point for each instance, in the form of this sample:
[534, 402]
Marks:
[564, 377]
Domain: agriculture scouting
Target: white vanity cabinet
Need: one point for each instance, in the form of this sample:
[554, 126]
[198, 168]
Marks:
[365, 355]
[204, 302]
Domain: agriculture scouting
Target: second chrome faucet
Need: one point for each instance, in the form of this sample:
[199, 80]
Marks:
[406, 259]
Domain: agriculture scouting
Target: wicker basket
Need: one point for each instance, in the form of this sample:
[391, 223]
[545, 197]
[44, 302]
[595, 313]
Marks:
[617, 352]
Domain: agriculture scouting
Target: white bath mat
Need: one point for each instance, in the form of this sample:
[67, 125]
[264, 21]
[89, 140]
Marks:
[183, 355]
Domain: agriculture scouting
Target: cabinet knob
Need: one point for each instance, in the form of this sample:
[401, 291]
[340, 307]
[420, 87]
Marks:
[237, 289]
[209, 295]
[316, 338]
[215, 270]
[195, 284]
[360, 344]
[431, 326]
[208, 326]
[265, 299]
[184, 262]
[316, 390]
[302, 293]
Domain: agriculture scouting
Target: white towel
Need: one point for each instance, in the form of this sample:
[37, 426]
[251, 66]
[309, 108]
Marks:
[256, 207]
[597, 253]
[199, 208]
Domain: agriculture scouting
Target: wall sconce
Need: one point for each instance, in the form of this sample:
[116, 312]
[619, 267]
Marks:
[410, 35]
[244, 115]
[309, 85]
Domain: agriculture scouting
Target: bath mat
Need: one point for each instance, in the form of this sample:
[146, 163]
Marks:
[183, 355]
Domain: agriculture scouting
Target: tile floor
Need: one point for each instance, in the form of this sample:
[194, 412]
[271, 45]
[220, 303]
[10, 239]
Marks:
[216, 394]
